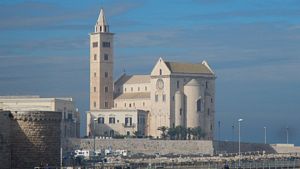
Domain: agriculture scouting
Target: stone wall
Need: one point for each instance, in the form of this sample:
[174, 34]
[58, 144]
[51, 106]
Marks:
[5, 152]
[145, 146]
[184, 147]
[233, 147]
[286, 148]
[35, 139]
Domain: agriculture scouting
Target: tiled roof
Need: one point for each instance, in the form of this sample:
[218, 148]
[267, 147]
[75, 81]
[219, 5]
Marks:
[176, 67]
[136, 95]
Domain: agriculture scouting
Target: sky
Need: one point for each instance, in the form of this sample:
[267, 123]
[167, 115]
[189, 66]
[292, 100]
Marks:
[252, 45]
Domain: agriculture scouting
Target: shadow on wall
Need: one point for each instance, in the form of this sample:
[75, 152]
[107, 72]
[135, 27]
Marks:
[233, 147]
[34, 142]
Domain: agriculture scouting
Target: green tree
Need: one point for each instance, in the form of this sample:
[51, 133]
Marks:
[189, 132]
[197, 133]
[163, 130]
[172, 133]
[180, 132]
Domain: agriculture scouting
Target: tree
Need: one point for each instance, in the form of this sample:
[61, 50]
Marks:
[189, 132]
[172, 133]
[163, 130]
[180, 132]
[197, 133]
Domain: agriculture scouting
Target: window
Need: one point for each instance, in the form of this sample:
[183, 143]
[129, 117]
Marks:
[180, 111]
[95, 44]
[95, 56]
[129, 104]
[163, 97]
[173, 98]
[95, 104]
[133, 104]
[211, 100]
[156, 98]
[138, 88]
[145, 88]
[106, 74]
[105, 56]
[95, 74]
[132, 89]
[106, 89]
[128, 121]
[106, 104]
[128, 133]
[143, 103]
[70, 116]
[112, 120]
[95, 89]
[116, 105]
[199, 105]
[125, 89]
[206, 84]
[106, 44]
[177, 84]
[100, 120]
[124, 104]
[160, 72]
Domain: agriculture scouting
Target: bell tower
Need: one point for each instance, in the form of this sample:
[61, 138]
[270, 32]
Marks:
[101, 65]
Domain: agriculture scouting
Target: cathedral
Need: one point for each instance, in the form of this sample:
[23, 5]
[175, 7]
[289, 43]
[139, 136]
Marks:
[173, 94]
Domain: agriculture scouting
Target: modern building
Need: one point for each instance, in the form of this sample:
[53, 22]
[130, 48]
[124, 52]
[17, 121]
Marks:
[70, 124]
[173, 94]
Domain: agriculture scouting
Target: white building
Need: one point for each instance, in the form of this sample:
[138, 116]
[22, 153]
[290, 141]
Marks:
[173, 94]
[70, 124]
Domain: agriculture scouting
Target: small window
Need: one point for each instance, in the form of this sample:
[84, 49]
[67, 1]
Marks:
[138, 88]
[132, 89]
[101, 120]
[145, 88]
[173, 98]
[112, 120]
[199, 105]
[211, 100]
[95, 104]
[106, 74]
[124, 104]
[95, 56]
[105, 56]
[128, 121]
[106, 104]
[177, 84]
[143, 103]
[180, 111]
[116, 105]
[163, 97]
[156, 98]
[95, 74]
[95, 89]
[95, 44]
[160, 72]
[106, 89]
[125, 89]
[133, 104]
[129, 104]
[206, 84]
[106, 44]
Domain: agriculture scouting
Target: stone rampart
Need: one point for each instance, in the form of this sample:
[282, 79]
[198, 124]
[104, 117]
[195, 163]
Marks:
[5, 147]
[35, 139]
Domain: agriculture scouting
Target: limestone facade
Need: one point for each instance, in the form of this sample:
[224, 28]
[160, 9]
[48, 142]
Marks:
[111, 122]
[70, 124]
[174, 93]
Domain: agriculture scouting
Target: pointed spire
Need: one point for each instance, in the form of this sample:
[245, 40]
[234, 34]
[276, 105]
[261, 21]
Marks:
[101, 25]
[101, 19]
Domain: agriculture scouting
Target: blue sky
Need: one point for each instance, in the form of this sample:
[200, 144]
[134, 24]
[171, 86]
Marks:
[253, 46]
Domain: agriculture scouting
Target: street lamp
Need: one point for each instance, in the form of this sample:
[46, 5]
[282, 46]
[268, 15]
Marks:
[287, 135]
[265, 135]
[240, 120]
[94, 133]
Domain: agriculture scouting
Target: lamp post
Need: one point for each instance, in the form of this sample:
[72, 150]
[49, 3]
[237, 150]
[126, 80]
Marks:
[94, 134]
[287, 135]
[265, 135]
[240, 120]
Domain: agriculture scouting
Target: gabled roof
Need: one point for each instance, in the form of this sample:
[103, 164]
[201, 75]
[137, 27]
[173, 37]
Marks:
[133, 79]
[136, 95]
[176, 67]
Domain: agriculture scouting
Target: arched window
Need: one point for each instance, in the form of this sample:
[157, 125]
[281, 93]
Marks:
[199, 105]
[160, 72]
